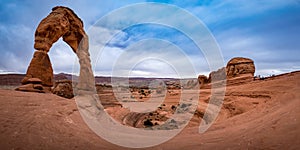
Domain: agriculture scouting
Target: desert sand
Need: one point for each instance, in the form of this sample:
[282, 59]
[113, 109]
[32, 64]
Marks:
[262, 114]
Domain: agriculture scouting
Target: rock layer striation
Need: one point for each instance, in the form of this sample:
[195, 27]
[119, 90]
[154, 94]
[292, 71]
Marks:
[238, 70]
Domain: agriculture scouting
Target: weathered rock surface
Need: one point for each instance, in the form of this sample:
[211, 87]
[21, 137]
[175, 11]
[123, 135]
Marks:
[238, 70]
[63, 88]
[61, 22]
[40, 68]
[202, 79]
[31, 88]
[217, 75]
[190, 84]
[240, 66]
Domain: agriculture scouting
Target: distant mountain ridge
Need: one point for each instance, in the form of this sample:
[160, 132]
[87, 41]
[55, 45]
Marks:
[15, 79]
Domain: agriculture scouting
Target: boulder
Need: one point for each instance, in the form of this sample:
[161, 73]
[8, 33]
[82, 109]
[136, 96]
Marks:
[63, 88]
[240, 66]
[202, 79]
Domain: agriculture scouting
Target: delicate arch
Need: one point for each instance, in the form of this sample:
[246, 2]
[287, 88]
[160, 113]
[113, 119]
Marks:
[61, 22]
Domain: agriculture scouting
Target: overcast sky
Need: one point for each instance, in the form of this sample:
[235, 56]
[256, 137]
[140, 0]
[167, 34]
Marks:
[266, 31]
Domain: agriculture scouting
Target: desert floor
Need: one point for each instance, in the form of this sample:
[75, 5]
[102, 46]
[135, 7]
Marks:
[262, 114]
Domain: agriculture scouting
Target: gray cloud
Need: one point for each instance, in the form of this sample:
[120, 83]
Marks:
[269, 34]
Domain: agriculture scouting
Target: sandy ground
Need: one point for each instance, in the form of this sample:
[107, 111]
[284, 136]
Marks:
[263, 114]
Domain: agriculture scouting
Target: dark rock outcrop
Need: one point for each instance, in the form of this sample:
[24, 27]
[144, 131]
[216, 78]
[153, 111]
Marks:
[202, 79]
[63, 88]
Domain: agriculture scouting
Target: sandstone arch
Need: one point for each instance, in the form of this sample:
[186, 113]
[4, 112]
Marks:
[61, 22]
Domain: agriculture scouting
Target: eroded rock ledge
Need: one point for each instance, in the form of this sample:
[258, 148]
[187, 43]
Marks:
[237, 70]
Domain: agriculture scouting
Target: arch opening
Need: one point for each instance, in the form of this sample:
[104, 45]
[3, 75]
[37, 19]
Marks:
[63, 23]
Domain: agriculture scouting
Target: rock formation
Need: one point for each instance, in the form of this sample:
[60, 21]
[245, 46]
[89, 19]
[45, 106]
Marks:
[217, 75]
[202, 79]
[190, 84]
[63, 88]
[237, 68]
[61, 22]
[240, 66]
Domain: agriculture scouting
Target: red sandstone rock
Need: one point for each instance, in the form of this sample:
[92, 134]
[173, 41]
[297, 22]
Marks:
[64, 89]
[240, 66]
[38, 86]
[238, 70]
[202, 79]
[61, 22]
[35, 80]
[30, 88]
